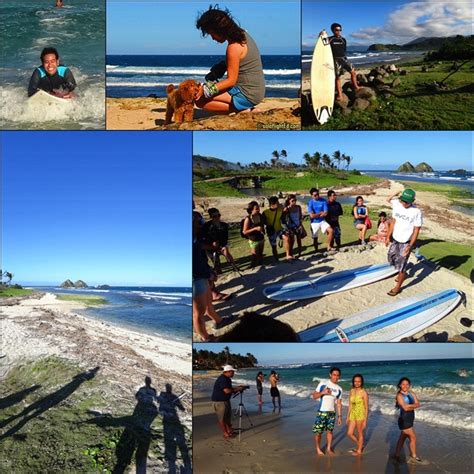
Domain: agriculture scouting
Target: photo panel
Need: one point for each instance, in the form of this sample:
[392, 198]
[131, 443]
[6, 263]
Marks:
[96, 302]
[52, 72]
[332, 236]
[339, 408]
[194, 66]
[387, 65]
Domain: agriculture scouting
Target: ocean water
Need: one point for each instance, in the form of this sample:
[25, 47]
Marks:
[165, 311]
[77, 31]
[139, 76]
[361, 57]
[445, 387]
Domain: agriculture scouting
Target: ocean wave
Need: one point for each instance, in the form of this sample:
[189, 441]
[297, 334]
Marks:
[164, 84]
[163, 294]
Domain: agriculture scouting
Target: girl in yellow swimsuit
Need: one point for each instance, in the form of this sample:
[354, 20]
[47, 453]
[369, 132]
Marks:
[358, 413]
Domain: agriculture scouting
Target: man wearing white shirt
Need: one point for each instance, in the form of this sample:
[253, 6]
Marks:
[329, 395]
[404, 228]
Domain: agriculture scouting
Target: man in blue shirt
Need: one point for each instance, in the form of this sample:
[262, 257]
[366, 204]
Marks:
[318, 210]
[221, 395]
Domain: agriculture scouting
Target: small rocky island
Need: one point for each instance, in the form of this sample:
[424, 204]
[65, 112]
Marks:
[422, 167]
[70, 284]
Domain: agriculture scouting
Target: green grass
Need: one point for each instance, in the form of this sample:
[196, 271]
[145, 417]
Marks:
[10, 292]
[456, 257]
[458, 196]
[203, 189]
[88, 300]
[47, 425]
[414, 106]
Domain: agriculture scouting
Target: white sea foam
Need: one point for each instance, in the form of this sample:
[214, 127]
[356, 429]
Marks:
[184, 71]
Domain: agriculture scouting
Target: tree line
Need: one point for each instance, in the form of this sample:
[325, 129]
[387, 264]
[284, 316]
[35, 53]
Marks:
[209, 360]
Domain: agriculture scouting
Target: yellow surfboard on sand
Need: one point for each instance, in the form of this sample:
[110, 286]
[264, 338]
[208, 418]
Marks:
[323, 78]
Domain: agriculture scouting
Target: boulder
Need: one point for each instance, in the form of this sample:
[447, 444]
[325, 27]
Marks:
[392, 68]
[383, 88]
[67, 284]
[378, 82]
[80, 284]
[396, 82]
[362, 79]
[102, 287]
[403, 72]
[360, 104]
[365, 93]
[346, 111]
[343, 102]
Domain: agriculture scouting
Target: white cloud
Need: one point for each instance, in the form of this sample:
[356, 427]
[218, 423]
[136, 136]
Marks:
[421, 18]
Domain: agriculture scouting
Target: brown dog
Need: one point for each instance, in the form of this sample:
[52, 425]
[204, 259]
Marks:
[181, 101]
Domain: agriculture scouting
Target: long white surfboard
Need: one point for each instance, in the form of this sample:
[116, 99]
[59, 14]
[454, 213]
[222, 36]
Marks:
[323, 79]
[330, 283]
[43, 99]
[389, 322]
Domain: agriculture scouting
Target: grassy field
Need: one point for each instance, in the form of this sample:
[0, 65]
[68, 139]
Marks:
[457, 195]
[11, 292]
[456, 257]
[285, 181]
[49, 417]
[416, 106]
[88, 300]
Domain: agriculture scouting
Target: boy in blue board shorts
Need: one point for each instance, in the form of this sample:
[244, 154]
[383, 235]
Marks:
[329, 395]
[318, 210]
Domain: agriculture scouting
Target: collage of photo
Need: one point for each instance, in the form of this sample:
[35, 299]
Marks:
[236, 237]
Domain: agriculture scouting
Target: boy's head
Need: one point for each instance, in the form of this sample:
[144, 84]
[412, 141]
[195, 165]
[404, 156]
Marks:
[335, 374]
[273, 202]
[336, 28]
[50, 60]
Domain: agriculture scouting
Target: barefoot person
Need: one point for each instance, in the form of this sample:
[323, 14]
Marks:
[244, 86]
[274, 392]
[272, 220]
[332, 218]
[259, 381]
[339, 48]
[221, 395]
[329, 395]
[407, 402]
[318, 210]
[360, 213]
[358, 413]
[253, 230]
[383, 225]
[293, 221]
[51, 77]
[404, 229]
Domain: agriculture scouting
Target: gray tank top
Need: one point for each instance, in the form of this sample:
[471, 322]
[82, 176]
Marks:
[251, 80]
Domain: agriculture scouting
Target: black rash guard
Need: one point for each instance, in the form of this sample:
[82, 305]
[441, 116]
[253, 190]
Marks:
[62, 79]
[338, 46]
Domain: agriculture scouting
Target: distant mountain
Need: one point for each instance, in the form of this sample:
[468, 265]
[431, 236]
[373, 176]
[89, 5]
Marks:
[208, 162]
[421, 44]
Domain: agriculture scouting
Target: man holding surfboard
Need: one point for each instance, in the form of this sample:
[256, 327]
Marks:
[404, 228]
[339, 48]
[51, 77]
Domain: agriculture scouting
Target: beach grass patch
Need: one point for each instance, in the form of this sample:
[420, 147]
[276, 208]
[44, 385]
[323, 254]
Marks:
[13, 292]
[212, 189]
[88, 300]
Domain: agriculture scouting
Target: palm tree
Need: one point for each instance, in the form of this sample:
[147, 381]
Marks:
[7, 275]
[308, 160]
[348, 161]
[227, 354]
[283, 154]
[326, 160]
[336, 156]
[276, 157]
[317, 160]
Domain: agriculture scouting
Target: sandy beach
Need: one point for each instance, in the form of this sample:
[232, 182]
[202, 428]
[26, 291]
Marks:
[439, 223]
[283, 441]
[149, 114]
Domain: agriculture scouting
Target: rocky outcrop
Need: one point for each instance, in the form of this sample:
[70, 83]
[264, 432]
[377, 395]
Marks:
[67, 284]
[103, 287]
[423, 168]
[80, 284]
[407, 167]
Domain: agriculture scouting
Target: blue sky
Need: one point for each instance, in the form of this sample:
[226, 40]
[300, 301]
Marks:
[370, 150]
[388, 21]
[168, 27]
[314, 353]
[105, 207]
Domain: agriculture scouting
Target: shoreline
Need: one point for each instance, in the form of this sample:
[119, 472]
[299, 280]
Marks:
[145, 113]
[284, 442]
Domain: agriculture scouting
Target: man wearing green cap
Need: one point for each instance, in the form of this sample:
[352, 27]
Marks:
[404, 229]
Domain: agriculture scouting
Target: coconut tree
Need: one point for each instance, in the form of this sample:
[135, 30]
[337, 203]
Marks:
[326, 159]
[337, 157]
[276, 157]
[8, 276]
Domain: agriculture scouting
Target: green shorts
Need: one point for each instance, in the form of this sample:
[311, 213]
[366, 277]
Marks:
[255, 244]
[325, 421]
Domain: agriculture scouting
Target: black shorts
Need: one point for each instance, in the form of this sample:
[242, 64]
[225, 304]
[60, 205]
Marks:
[260, 390]
[406, 420]
[342, 64]
[274, 392]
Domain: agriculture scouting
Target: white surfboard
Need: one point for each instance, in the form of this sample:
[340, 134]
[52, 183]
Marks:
[390, 322]
[330, 283]
[43, 99]
[323, 79]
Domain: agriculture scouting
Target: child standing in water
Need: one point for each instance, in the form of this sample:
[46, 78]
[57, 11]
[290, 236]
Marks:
[358, 413]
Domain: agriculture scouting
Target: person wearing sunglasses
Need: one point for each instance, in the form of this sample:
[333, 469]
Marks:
[341, 63]
[404, 228]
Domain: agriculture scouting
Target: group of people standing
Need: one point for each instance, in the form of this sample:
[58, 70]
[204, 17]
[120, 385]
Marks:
[329, 411]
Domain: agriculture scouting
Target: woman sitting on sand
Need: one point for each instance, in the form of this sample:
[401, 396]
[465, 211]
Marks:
[252, 229]
[293, 223]
[407, 402]
[244, 86]
[358, 413]
[382, 229]
[360, 212]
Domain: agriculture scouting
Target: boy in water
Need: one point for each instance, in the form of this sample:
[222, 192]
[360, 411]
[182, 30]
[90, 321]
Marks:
[51, 77]
[329, 395]
[339, 49]
[274, 392]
